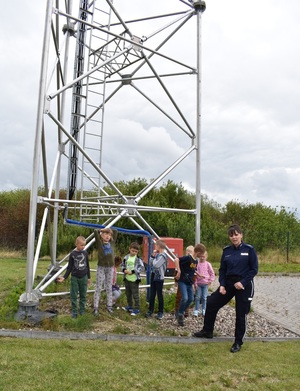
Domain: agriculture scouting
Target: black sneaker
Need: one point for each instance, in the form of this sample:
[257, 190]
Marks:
[180, 319]
[203, 334]
[235, 348]
[148, 314]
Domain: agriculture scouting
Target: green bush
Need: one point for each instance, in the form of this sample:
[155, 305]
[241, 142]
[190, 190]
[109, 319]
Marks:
[263, 226]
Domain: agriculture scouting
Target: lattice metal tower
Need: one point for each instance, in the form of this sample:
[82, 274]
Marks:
[99, 58]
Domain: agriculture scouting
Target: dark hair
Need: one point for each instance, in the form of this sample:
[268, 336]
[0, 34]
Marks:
[233, 229]
[134, 245]
[199, 248]
[118, 261]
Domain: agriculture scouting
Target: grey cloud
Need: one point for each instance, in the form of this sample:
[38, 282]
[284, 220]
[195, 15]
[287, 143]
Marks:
[250, 104]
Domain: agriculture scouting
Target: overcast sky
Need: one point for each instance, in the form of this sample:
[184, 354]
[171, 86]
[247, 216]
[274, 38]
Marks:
[250, 104]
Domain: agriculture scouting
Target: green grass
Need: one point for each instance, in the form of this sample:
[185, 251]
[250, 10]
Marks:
[282, 268]
[12, 285]
[27, 364]
[12, 271]
[33, 364]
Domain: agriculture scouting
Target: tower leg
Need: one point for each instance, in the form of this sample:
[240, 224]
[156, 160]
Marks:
[28, 310]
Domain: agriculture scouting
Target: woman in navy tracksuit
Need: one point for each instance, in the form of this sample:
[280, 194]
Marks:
[239, 265]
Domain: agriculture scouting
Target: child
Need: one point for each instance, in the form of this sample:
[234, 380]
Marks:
[188, 250]
[132, 266]
[116, 291]
[105, 241]
[186, 267]
[204, 277]
[158, 264]
[79, 268]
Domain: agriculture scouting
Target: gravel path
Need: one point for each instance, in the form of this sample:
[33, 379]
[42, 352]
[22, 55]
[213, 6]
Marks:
[275, 314]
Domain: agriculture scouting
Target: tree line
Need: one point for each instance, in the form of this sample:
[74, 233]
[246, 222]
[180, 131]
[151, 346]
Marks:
[264, 227]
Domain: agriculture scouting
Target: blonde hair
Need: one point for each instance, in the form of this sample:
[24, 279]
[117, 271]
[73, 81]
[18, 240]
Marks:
[80, 239]
[189, 249]
[161, 244]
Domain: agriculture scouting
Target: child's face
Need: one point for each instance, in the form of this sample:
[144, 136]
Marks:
[201, 256]
[157, 248]
[133, 251]
[106, 236]
[80, 244]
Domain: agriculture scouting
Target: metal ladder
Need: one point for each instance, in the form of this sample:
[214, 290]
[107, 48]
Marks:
[88, 103]
[95, 47]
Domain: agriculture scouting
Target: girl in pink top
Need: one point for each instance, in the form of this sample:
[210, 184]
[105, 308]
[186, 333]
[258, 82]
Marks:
[204, 277]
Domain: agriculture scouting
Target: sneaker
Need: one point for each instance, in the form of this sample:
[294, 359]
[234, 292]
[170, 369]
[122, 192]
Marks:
[148, 314]
[96, 312]
[127, 308]
[159, 316]
[110, 310]
[180, 320]
[203, 334]
[196, 313]
[74, 315]
[203, 312]
[135, 312]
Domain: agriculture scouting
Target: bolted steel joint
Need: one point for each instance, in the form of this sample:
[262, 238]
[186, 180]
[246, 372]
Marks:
[199, 5]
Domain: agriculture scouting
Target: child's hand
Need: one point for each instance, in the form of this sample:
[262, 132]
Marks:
[60, 279]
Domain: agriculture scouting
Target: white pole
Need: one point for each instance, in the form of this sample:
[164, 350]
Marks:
[28, 296]
[200, 8]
